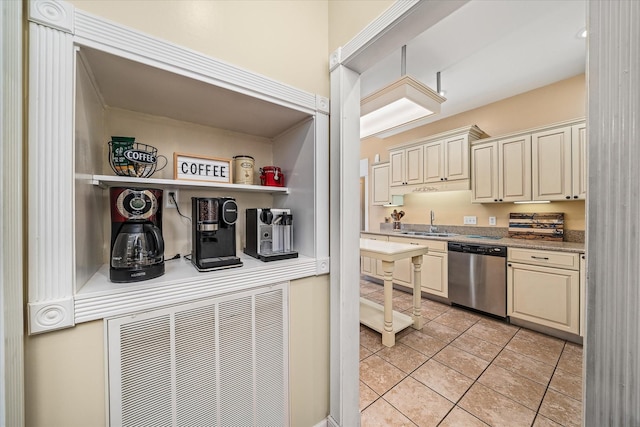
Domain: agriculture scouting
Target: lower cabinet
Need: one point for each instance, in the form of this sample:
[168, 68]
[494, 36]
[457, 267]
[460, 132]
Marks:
[369, 266]
[434, 275]
[543, 287]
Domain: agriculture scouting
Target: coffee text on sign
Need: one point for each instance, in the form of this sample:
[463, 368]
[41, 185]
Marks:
[201, 168]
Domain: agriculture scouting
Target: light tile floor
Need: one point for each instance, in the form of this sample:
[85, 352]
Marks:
[464, 369]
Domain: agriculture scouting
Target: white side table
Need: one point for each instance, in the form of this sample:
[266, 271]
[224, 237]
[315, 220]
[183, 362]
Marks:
[382, 318]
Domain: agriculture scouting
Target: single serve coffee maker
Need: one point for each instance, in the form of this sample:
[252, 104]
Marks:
[269, 234]
[137, 247]
[213, 242]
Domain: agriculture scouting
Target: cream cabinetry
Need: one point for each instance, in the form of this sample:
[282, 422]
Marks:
[501, 170]
[447, 160]
[380, 184]
[406, 166]
[559, 163]
[370, 266]
[434, 273]
[543, 287]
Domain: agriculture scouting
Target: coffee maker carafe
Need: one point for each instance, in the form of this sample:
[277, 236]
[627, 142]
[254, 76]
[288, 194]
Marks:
[137, 247]
[269, 234]
[213, 242]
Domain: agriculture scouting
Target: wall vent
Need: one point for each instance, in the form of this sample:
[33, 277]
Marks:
[219, 362]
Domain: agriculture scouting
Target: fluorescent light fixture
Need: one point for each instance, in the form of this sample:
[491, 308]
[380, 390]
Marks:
[401, 102]
[396, 200]
[531, 202]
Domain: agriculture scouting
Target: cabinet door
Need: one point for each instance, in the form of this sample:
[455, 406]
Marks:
[484, 173]
[545, 296]
[579, 161]
[551, 157]
[456, 158]
[434, 162]
[396, 172]
[380, 184]
[414, 165]
[514, 175]
[435, 274]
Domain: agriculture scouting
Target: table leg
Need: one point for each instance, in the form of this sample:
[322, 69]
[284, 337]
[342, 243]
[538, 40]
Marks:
[388, 336]
[417, 295]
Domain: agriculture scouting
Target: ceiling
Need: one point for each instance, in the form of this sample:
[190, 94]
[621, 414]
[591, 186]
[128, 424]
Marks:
[489, 50]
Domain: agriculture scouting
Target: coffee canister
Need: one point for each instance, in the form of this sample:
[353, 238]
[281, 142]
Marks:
[243, 169]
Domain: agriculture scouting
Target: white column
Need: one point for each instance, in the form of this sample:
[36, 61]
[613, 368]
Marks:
[345, 250]
[11, 170]
[612, 342]
[50, 156]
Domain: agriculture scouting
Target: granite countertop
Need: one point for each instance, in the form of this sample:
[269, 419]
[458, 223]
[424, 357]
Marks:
[503, 241]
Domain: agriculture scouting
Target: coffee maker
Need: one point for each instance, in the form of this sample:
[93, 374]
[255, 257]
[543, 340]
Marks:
[269, 234]
[137, 247]
[213, 242]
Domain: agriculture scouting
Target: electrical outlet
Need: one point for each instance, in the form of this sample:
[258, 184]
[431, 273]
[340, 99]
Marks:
[169, 201]
[470, 220]
[492, 220]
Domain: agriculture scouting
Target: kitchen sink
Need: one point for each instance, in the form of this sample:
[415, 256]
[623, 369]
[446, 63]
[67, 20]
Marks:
[429, 234]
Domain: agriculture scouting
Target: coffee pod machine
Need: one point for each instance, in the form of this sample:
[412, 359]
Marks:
[213, 242]
[137, 247]
[269, 234]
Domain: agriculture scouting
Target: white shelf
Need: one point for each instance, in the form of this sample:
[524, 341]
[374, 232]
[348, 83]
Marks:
[372, 315]
[113, 180]
[100, 298]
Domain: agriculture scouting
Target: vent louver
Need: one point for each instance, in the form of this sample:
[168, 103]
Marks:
[220, 362]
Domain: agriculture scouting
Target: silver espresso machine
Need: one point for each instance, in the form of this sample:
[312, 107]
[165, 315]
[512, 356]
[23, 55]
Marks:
[269, 234]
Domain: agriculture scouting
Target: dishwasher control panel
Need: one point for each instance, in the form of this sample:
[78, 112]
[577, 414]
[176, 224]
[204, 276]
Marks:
[500, 251]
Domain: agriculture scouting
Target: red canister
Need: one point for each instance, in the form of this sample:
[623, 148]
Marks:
[271, 175]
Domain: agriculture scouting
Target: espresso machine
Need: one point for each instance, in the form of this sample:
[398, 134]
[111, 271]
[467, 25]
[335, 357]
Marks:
[137, 247]
[213, 242]
[269, 234]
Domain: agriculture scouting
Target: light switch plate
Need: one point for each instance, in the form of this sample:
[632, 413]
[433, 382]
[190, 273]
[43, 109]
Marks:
[470, 220]
[492, 220]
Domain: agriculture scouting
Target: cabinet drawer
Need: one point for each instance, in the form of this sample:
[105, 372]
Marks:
[434, 245]
[545, 258]
[374, 237]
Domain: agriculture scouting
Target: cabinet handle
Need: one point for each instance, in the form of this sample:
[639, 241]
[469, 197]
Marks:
[441, 179]
[509, 265]
[575, 197]
[540, 257]
[495, 200]
[500, 199]
[568, 197]
[582, 256]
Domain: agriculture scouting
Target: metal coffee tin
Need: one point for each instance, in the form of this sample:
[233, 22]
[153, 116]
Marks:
[243, 169]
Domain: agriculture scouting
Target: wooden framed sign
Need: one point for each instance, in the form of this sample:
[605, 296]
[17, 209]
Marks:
[201, 168]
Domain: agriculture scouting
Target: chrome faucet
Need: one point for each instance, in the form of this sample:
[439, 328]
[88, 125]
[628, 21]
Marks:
[432, 229]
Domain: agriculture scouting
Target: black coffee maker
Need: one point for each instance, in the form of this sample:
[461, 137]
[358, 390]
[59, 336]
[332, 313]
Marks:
[137, 247]
[213, 242]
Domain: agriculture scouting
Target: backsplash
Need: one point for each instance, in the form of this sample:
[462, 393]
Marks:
[573, 236]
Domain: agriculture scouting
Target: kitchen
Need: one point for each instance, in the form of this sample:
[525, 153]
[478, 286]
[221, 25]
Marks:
[79, 338]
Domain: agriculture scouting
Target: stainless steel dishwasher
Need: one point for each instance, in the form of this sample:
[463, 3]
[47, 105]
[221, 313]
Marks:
[478, 277]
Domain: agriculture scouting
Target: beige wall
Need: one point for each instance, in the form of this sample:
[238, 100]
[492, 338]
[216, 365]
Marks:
[284, 40]
[557, 102]
[348, 18]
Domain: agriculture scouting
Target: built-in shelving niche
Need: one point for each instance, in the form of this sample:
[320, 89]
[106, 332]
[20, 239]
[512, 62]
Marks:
[116, 96]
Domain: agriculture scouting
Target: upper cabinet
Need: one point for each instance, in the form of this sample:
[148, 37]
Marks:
[406, 166]
[501, 170]
[540, 164]
[441, 161]
[447, 160]
[559, 163]
[380, 184]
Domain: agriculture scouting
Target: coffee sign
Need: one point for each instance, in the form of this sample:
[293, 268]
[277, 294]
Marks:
[201, 168]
